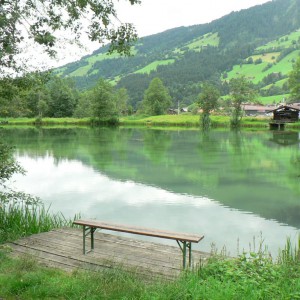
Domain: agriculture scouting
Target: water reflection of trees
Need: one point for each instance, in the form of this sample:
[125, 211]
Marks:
[106, 145]
[156, 144]
[96, 146]
[40, 142]
[208, 144]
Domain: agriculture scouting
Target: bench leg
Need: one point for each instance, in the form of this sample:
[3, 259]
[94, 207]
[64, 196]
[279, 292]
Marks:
[83, 242]
[183, 248]
[92, 237]
[190, 254]
[86, 231]
[184, 255]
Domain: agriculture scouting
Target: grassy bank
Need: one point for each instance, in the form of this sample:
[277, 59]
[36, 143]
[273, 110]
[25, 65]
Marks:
[44, 121]
[251, 276]
[183, 120]
[192, 120]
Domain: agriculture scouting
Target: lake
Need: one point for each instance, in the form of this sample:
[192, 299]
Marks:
[238, 188]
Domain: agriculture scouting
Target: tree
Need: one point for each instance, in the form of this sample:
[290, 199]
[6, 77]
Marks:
[8, 91]
[240, 92]
[84, 106]
[121, 101]
[156, 98]
[42, 21]
[294, 80]
[63, 98]
[208, 101]
[42, 107]
[103, 103]
[19, 96]
[37, 98]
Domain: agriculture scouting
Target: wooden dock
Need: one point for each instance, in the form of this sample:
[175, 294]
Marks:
[278, 124]
[62, 248]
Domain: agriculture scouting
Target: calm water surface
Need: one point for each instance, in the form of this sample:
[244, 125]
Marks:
[236, 188]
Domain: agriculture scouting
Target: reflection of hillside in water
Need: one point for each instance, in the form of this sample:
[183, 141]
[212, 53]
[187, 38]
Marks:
[241, 170]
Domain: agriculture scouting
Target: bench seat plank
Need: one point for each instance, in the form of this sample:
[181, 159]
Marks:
[141, 230]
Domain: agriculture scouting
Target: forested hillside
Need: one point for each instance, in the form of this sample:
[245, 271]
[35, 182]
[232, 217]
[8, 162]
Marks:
[261, 42]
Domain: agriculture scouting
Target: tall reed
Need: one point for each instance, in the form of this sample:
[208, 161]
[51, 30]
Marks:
[291, 253]
[18, 219]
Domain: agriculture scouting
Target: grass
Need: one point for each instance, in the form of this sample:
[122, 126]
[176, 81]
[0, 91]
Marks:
[24, 279]
[250, 276]
[185, 120]
[153, 66]
[268, 57]
[211, 39]
[255, 71]
[47, 121]
[19, 219]
[83, 71]
[278, 83]
[207, 39]
[284, 42]
[162, 120]
[273, 99]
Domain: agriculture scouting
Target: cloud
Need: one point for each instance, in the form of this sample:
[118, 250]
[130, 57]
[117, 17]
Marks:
[154, 16]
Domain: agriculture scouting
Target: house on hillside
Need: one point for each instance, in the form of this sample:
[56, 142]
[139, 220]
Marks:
[287, 114]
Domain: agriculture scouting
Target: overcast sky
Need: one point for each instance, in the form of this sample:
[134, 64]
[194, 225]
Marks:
[153, 16]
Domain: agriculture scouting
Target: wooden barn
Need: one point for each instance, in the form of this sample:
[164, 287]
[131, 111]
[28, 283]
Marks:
[286, 114]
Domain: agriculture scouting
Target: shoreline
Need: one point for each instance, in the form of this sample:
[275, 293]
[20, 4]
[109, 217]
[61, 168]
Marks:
[177, 121]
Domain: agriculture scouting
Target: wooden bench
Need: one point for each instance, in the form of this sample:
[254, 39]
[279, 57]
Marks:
[184, 240]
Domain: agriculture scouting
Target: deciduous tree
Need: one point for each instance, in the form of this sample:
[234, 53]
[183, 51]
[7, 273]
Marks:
[208, 101]
[156, 98]
[121, 101]
[241, 91]
[63, 98]
[103, 103]
[84, 106]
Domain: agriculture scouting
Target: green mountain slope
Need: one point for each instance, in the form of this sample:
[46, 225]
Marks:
[261, 42]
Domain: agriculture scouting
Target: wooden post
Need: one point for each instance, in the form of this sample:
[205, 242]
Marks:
[83, 239]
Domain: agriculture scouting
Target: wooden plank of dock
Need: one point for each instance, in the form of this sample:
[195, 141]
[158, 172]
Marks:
[62, 248]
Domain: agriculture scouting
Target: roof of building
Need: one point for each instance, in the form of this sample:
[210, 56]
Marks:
[286, 107]
[258, 108]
